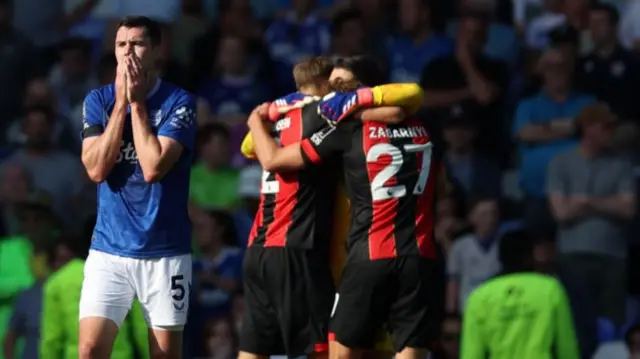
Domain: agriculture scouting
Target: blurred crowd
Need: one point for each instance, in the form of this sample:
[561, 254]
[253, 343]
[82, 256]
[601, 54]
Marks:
[535, 100]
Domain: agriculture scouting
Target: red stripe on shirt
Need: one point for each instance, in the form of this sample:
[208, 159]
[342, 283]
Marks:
[382, 241]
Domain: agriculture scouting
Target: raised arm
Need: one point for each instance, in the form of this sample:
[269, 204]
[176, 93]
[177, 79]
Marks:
[101, 144]
[158, 154]
[273, 158]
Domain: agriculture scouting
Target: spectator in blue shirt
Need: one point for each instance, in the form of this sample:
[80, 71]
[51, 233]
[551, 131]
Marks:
[217, 272]
[544, 127]
[234, 89]
[299, 34]
[410, 52]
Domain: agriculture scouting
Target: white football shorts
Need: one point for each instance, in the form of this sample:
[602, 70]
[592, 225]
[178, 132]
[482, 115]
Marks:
[162, 286]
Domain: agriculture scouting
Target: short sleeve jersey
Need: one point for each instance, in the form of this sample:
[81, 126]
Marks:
[390, 178]
[135, 218]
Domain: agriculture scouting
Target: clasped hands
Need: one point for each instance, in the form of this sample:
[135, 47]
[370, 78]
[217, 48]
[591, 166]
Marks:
[131, 80]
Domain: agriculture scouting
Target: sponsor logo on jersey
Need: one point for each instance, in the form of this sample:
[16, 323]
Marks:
[127, 153]
[283, 124]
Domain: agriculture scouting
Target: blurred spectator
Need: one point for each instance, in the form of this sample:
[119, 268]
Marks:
[60, 309]
[301, 33]
[629, 29]
[449, 345]
[232, 89]
[214, 184]
[72, 78]
[543, 127]
[249, 192]
[190, 25]
[473, 171]
[15, 187]
[348, 35]
[523, 304]
[632, 338]
[167, 67]
[378, 24]
[474, 258]
[107, 66]
[39, 94]
[583, 306]
[25, 320]
[218, 268]
[418, 44]
[592, 196]
[539, 28]
[17, 60]
[450, 223]
[468, 79]
[609, 72]
[41, 22]
[502, 39]
[221, 342]
[55, 171]
[577, 14]
[82, 18]
[15, 276]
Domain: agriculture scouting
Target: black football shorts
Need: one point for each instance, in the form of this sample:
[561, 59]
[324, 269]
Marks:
[404, 294]
[288, 296]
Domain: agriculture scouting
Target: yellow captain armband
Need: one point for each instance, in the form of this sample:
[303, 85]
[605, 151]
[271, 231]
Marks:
[246, 148]
[407, 95]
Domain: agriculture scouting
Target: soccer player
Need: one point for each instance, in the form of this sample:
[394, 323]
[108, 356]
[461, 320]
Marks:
[520, 313]
[291, 225]
[138, 141]
[391, 173]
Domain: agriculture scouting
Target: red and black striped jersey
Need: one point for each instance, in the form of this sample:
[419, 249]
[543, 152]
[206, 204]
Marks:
[295, 207]
[390, 176]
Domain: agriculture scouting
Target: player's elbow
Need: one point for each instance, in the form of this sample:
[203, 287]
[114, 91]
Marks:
[97, 175]
[152, 176]
[270, 165]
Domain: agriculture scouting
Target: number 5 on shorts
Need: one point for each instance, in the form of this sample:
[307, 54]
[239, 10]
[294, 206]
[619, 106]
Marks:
[177, 288]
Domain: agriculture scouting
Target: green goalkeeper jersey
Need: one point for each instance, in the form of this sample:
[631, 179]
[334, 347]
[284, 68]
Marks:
[60, 312]
[519, 315]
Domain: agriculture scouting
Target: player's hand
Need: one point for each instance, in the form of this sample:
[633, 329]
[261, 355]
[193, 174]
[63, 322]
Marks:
[263, 110]
[121, 84]
[135, 79]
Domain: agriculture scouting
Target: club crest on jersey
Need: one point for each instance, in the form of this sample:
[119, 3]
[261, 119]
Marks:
[156, 118]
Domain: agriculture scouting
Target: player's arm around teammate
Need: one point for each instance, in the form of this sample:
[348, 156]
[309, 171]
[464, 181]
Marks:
[101, 144]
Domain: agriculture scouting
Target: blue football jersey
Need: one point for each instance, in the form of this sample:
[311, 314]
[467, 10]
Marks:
[135, 218]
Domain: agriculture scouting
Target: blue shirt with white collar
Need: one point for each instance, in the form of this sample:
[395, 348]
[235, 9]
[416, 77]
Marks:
[535, 157]
[135, 218]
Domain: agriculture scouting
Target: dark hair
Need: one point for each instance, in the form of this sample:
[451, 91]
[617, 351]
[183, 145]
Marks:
[480, 198]
[47, 111]
[206, 132]
[516, 249]
[344, 17]
[229, 233]
[635, 327]
[77, 43]
[209, 329]
[365, 69]
[612, 12]
[152, 27]
[476, 15]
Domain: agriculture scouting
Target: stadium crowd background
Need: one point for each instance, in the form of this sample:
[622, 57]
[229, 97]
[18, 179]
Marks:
[505, 115]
